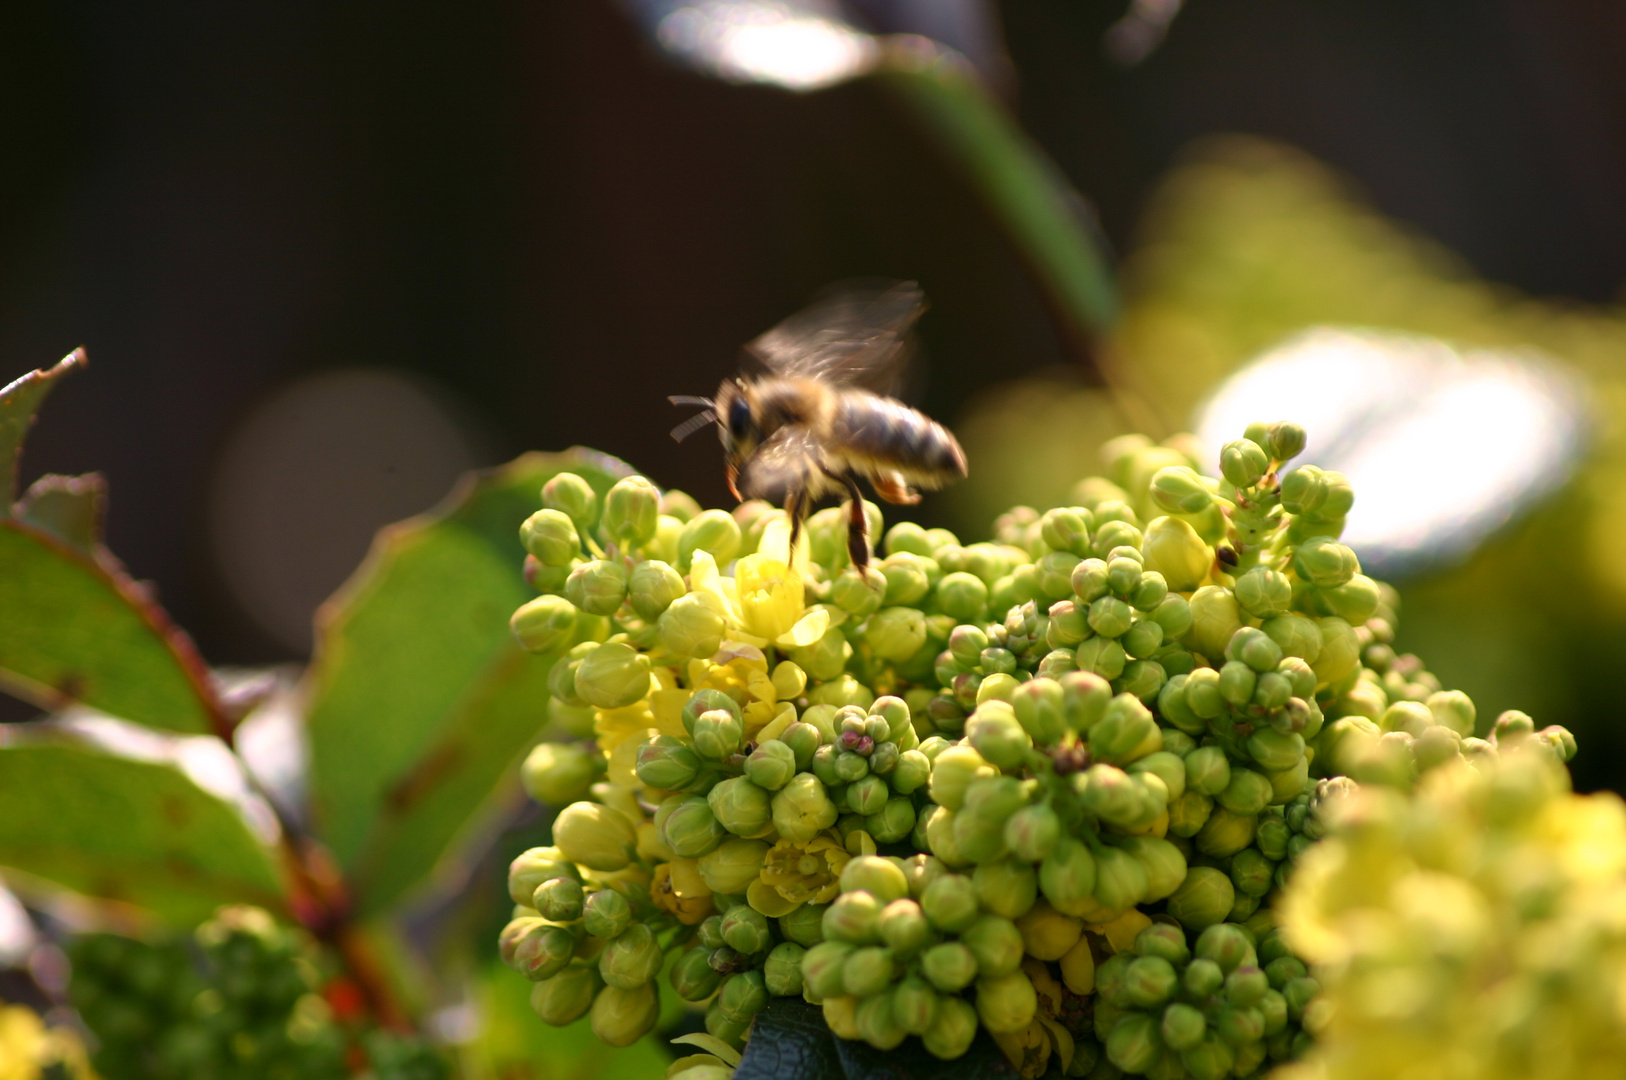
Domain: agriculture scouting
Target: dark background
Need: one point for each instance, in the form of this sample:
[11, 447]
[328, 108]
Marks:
[526, 209]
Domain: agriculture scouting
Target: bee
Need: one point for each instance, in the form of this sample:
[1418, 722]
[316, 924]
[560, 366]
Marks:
[820, 414]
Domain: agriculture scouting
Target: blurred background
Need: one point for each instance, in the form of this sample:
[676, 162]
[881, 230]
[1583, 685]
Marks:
[326, 257]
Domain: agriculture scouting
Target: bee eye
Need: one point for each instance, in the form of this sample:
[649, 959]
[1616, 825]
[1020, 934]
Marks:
[739, 417]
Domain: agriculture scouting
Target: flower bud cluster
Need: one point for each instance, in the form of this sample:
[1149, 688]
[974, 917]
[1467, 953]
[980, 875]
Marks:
[243, 998]
[953, 790]
[1222, 1005]
[1471, 925]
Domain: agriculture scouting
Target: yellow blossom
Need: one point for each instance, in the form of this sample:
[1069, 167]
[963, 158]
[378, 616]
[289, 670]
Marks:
[693, 905]
[612, 727]
[1122, 931]
[770, 595]
[796, 873]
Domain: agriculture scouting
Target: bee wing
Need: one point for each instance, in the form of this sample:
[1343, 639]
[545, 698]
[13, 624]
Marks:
[780, 465]
[855, 334]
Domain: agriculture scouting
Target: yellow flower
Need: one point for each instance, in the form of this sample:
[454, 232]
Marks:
[612, 727]
[796, 873]
[677, 888]
[770, 595]
[1028, 1049]
[740, 670]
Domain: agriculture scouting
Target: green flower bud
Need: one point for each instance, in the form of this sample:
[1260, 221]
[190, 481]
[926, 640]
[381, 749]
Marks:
[717, 735]
[1251, 872]
[1453, 709]
[713, 531]
[1355, 601]
[1089, 580]
[850, 766]
[1142, 639]
[743, 995]
[1006, 1002]
[534, 866]
[1243, 463]
[950, 903]
[1247, 793]
[1115, 534]
[1109, 616]
[951, 1030]
[1211, 1059]
[1215, 618]
[854, 918]
[1203, 899]
[597, 587]
[966, 643]
[1340, 650]
[949, 967]
[594, 836]
[922, 870]
[722, 1025]
[652, 587]
[1203, 976]
[1309, 490]
[666, 764]
[732, 866]
[1032, 832]
[567, 996]
[997, 736]
[1055, 575]
[1298, 994]
[962, 596]
[1106, 791]
[1325, 563]
[562, 678]
[1068, 874]
[1284, 441]
[620, 1017]
[693, 977]
[772, 764]
[550, 536]
[535, 949]
[1173, 549]
[881, 877]
[1225, 832]
[1182, 1027]
[740, 806]
[896, 633]
[907, 536]
[1208, 770]
[691, 627]
[867, 971]
[545, 624]
[857, 593]
[631, 508]
[825, 659]
[559, 899]
[1101, 656]
[913, 770]
[606, 914]
[953, 772]
[1274, 751]
[613, 675]
[631, 959]
[558, 773]
[745, 930]
[1120, 880]
[1254, 648]
[1165, 866]
[805, 925]
[1068, 625]
[782, 972]
[1189, 813]
[1149, 981]
[1126, 732]
[907, 579]
[877, 1024]
[1005, 887]
[1066, 528]
[822, 967]
[1177, 489]
[690, 829]
[903, 927]
[914, 1005]
[996, 944]
[570, 494]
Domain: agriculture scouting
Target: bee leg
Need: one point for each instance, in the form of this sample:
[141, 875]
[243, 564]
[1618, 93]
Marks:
[857, 524]
[892, 487]
[796, 510]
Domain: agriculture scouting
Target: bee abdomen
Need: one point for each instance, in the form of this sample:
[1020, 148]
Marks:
[892, 434]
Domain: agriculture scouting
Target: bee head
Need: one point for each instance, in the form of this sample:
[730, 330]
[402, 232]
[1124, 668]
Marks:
[736, 421]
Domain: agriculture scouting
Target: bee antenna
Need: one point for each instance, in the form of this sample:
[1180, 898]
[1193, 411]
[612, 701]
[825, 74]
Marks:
[689, 399]
[693, 423]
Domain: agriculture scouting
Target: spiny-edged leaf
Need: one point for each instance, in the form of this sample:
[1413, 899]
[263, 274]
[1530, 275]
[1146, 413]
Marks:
[710, 1044]
[75, 627]
[19, 401]
[789, 1039]
[911, 1061]
[70, 508]
[420, 701]
[136, 831]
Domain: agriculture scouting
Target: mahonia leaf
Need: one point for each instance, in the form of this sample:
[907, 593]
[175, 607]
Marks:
[911, 1061]
[70, 508]
[789, 1039]
[19, 401]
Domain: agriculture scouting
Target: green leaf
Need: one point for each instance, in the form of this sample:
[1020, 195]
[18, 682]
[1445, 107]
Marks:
[70, 508]
[420, 701]
[134, 831]
[790, 1041]
[1035, 205]
[19, 401]
[75, 627]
